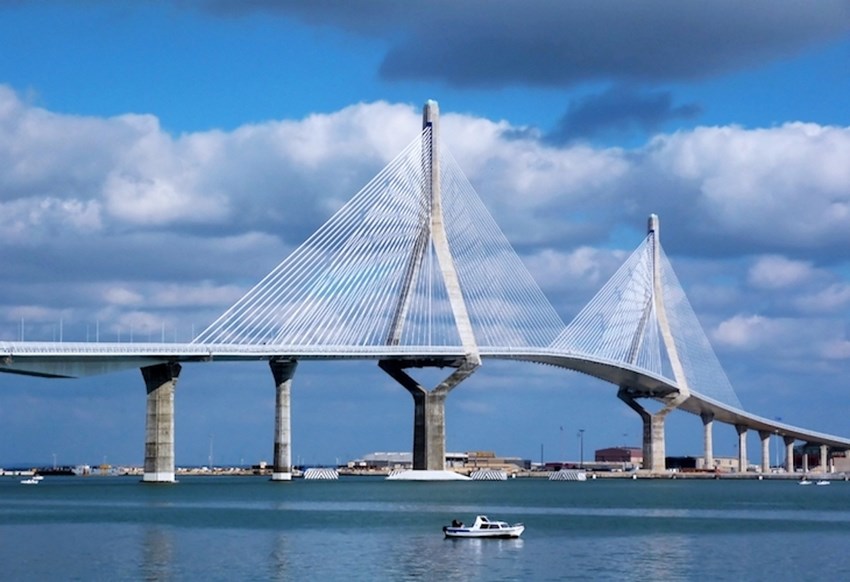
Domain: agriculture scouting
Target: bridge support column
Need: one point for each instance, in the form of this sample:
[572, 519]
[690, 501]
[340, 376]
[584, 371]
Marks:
[654, 458]
[282, 370]
[708, 444]
[824, 459]
[429, 430]
[742, 448]
[789, 453]
[805, 462]
[765, 450]
[429, 419]
[160, 381]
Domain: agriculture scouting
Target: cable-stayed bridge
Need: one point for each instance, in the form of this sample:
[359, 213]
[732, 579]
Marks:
[413, 272]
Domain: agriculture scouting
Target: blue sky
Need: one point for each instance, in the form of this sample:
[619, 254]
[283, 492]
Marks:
[157, 160]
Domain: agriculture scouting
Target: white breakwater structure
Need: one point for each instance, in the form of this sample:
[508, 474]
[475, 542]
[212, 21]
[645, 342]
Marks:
[568, 475]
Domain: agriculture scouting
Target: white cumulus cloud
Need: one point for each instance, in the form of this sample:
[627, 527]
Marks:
[775, 272]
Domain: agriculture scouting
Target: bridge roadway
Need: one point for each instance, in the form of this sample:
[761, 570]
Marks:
[75, 359]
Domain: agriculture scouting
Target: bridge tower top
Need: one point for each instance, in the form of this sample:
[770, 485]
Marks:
[430, 113]
[653, 225]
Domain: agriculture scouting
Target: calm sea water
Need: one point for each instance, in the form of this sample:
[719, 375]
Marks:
[240, 528]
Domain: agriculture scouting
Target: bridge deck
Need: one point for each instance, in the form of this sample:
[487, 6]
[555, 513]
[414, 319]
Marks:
[70, 360]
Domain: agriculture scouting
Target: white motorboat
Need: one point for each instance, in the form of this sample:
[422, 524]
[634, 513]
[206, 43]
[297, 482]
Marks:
[804, 481]
[822, 482]
[483, 528]
[30, 481]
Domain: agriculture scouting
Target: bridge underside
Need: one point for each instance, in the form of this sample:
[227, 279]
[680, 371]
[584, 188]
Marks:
[76, 365]
[37, 360]
[645, 386]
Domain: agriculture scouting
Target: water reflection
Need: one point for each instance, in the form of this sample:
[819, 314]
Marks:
[279, 562]
[435, 558]
[661, 558]
[469, 547]
[157, 554]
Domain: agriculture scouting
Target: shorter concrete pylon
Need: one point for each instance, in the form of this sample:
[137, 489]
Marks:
[654, 456]
[283, 371]
[429, 420]
[789, 453]
[743, 463]
[160, 381]
[708, 440]
[765, 435]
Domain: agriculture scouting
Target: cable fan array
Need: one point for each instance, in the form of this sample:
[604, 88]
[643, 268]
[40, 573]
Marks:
[370, 275]
[620, 324]
[702, 369]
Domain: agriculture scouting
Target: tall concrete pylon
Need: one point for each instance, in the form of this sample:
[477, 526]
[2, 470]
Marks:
[160, 381]
[282, 370]
[429, 438]
[654, 453]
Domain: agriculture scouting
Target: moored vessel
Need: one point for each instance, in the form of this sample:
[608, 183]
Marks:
[483, 528]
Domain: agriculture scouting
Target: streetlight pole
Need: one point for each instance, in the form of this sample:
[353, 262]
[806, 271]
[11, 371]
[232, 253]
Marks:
[563, 447]
[581, 441]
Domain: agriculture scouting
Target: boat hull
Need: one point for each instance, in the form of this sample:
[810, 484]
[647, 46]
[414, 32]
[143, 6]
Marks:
[465, 532]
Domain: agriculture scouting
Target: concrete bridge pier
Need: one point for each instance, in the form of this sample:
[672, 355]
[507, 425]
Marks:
[789, 453]
[742, 448]
[824, 459]
[654, 457]
[282, 370]
[160, 381]
[429, 417]
[765, 450]
[707, 439]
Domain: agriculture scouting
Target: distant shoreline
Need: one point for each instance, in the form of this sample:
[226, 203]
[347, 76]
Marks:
[131, 471]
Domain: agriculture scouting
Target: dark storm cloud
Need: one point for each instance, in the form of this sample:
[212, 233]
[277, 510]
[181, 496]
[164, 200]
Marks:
[496, 43]
[619, 110]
